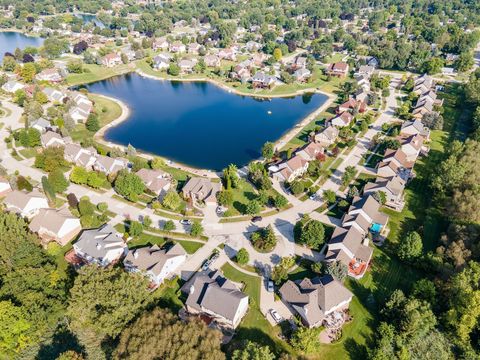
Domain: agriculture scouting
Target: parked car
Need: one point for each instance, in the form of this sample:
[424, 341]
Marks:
[205, 265]
[214, 257]
[276, 316]
[313, 196]
[257, 218]
[270, 287]
[186, 222]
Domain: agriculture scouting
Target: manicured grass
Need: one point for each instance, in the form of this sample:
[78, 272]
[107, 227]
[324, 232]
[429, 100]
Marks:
[333, 58]
[242, 195]
[149, 239]
[28, 153]
[254, 326]
[96, 73]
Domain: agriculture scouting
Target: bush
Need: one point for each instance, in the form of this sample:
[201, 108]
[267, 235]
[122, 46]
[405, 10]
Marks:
[85, 207]
[242, 256]
[102, 207]
[297, 187]
[135, 228]
[169, 225]
[58, 181]
[196, 229]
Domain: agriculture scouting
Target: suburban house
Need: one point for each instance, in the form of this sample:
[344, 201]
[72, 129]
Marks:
[392, 188]
[42, 125]
[302, 74]
[101, 246]
[51, 138]
[157, 181]
[395, 163]
[160, 44]
[263, 81]
[365, 70]
[79, 156]
[5, 187]
[213, 295]
[349, 243]
[177, 47]
[194, 48]
[54, 95]
[80, 112]
[351, 105]
[12, 86]
[25, 204]
[411, 146]
[327, 136]
[155, 263]
[317, 299]
[51, 75]
[415, 127]
[342, 120]
[311, 151]
[162, 61]
[201, 189]
[299, 63]
[227, 54]
[423, 84]
[339, 69]
[55, 225]
[212, 60]
[186, 65]
[289, 170]
[109, 165]
[111, 60]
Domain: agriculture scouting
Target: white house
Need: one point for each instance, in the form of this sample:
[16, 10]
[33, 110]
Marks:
[342, 120]
[51, 138]
[111, 60]
[289, 170]
[77, 155]
[51, 75]
[5, 187]
[101, 246]
[327, 136]
[109, 165]
[25, 204]
[155, 263]
[12, 86]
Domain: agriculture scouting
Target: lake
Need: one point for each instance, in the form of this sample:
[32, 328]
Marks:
[198, 123]
[10, 40]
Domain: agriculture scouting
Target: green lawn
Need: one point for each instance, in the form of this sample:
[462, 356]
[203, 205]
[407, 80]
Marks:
[96, 73]
[149, 239]
[242, 195]
[28, 153]
[254, 326]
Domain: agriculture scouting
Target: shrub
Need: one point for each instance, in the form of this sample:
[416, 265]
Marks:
[242, 256]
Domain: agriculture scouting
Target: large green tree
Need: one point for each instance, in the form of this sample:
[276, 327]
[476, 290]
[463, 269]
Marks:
[129, 185]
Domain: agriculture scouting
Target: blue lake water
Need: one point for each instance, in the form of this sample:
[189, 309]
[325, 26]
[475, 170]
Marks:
[198, 123]
[10, 40]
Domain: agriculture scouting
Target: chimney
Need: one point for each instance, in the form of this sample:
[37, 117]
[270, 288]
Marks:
[99, 246]
[135, 254]
[192, 289]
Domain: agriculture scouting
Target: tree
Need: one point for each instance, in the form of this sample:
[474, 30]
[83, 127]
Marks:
[329, 196]
[268, 150]
[79, 175]
[242, 256]
[9, 63]
[411, 247]
[13, 328]
[312, 234]
[70, 355]
[348, 175]
[337, 269]
[297, 187]
[171, 200]
[85, 207]
[92, 123]
[174, 338]
[49, 191]
[129, 185]
[58, 181]
[230, 176]
[80, 47]
[433, 66]
[280, 201]
[280, 271]
[225, 197]
[306, 340]
[50, 159]
[277, 54]
[465, 61]
[174, 70]
[147, 221]
[433, 120]
[105, 300]
[253, 351]
[253, 207]
[196, 229]
[135, 228]
[169, 225]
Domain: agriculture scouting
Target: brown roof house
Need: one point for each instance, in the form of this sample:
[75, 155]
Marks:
[395, 163]
[311, 151]
[213, 295]
[51, 138]
[289, 170]
[155, 263]
[55, 225]
[316, 300]
[25, 204]
[79, 156]
[392, 188]
[109, 165]
[157, 181]
[110, 60]
[327, 136]
[201, 189]
[349, 243]
[411, 146]
[339, 69]
[415, 127]
[5, 187]
[342, 120]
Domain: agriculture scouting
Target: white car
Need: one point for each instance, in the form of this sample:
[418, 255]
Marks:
[276, 316]
[186, 222]
[313, 196]
[270, 287]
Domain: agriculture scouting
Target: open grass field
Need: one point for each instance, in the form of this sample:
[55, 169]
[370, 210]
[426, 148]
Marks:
[96, 73]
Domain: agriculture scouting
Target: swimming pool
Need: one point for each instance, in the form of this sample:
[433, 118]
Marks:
[376, 228]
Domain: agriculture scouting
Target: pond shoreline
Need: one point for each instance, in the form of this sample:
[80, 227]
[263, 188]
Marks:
[99, 136]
